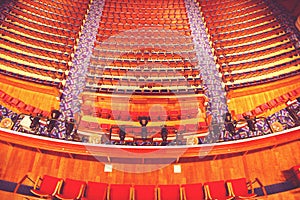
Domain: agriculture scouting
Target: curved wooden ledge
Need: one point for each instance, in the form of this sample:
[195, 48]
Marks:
[142, 154]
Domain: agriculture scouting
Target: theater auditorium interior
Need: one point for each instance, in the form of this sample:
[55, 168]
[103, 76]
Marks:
[149, 99]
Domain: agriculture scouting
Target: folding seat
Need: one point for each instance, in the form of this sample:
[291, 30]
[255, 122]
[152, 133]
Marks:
[95, 191]
[72, 189]
[120, 192]
[144, 192]
[28, 108]
[167, 192]
[238, 188]
[216, 190]
[192, 191]
[48, 188]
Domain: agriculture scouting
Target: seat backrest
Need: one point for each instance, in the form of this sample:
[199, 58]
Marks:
[96, 191]
[144, 192]
[73, 188]
[216, 189]
[167, 192]
[50, 184]
[120, 192]
[238, 186]
[192, 191]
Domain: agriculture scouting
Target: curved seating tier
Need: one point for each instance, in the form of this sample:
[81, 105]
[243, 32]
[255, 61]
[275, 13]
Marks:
[146, 56]
[37, 44]
[251, 47]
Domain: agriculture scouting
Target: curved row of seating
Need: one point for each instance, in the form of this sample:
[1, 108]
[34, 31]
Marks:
[144, 72]
[21, 106]
[38, 41]
[50, 186]
[251, 50]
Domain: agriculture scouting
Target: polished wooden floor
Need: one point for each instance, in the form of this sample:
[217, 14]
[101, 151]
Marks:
[269, 165]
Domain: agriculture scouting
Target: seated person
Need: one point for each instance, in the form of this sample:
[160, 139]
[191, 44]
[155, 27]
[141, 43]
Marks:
[35, 121]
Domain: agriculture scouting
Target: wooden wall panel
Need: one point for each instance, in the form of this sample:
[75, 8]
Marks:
[268, 164]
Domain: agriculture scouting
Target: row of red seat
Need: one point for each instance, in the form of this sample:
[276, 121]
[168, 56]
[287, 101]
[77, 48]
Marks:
[36, 51]
[241, 33]
[118, 62]
[142, 82]
[247, 47]
[254, 54]
[21, 106]
[34, 70]
[260, 72]
[236, 27]
[47, 37]
[36, 42]
[72, 6]
[150, 72]
[140, 56]
[49, 15]
[50, 187]
[233, 86]
[228, 22]
[59, 25]
[157, 54]
[76, 189]
[273, 103]
[120, 23]
[70, 12]
[220, 2]
[229, 7]
[128, 39]
[166, 8]
[30, 59]
[252, 39]
[38, 26]
[260, 62]
[150, 15]
[76, 3]
[121, 48]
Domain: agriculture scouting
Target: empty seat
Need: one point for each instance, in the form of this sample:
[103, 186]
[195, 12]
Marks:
[216, 190]
[239, 189]
[144, 192]
[95, 191]
[72, 189]
[192, 191]
[167, 192]
[48, 187]
[120, 192]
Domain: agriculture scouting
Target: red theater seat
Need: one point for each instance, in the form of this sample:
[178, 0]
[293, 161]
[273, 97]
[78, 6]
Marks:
[49, 187]
[95, 191]
[144, 192]
[192, 191]
[167, 192]
[72, 189]
[216, 190]
[120, 192]
[238, 188]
